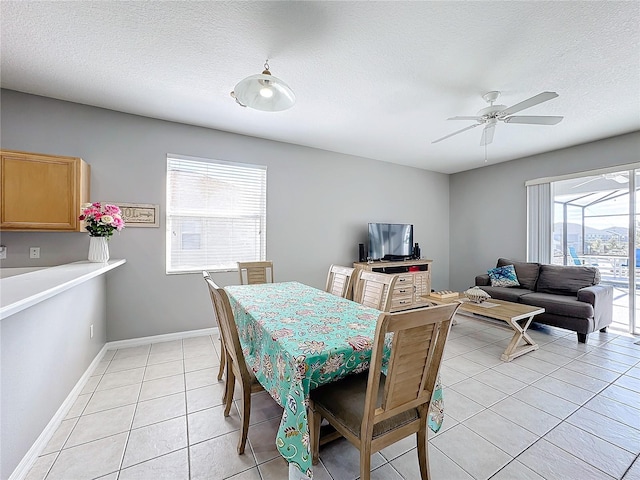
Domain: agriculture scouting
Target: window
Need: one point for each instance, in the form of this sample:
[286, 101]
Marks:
[216, 214]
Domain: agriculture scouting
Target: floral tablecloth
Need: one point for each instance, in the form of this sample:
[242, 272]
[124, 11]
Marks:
[295, 338]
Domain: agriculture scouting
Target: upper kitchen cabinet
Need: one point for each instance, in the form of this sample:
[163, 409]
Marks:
[42, 192]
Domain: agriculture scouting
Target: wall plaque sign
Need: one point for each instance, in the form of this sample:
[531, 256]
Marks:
[140, 214]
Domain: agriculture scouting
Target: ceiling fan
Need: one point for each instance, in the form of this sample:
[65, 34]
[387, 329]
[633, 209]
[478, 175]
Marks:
[491, 115]
[621, 177]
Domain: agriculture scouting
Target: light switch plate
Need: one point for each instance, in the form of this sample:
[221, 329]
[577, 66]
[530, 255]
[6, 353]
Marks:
[34, 252]
[3, 252]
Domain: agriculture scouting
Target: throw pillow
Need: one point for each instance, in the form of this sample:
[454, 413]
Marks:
[527, 272]
[503, 276]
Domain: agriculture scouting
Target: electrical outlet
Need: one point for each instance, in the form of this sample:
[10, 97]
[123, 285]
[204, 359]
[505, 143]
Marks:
[91, 331]
[3, 252]
[34, 252]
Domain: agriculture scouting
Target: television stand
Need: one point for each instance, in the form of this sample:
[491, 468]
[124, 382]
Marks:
[414, 280]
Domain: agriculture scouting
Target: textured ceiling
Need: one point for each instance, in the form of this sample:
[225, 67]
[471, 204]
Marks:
[374, 79]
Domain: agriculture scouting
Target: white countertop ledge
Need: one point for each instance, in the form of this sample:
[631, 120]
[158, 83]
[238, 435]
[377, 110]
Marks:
[23, 291]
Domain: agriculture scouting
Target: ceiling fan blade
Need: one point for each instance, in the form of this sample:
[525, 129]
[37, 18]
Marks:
[585, 182]
[616, 177]
[455, 133]
[476, 118]
[530, 102]
[487, 134]
[534, 120]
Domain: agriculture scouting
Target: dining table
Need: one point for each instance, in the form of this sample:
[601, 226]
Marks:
[295, 338]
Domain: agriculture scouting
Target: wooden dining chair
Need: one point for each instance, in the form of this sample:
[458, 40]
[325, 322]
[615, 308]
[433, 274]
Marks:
[252, 273]
[339, 281]
[375, 290]
[223, 354]
[372, 410]
[236, 366]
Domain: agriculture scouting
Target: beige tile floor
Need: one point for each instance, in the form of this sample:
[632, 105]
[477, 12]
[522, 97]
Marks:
[565, 411]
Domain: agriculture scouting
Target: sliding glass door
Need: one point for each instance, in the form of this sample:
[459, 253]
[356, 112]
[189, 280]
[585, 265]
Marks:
[596, 221]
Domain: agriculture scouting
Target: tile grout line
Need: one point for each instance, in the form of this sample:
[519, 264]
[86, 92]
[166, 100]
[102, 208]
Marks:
[52, 464]
[186, 410]
[487, 369]
[562, 420]
[629, 467]
[154, 423]
[77, 420]
[569, 453]
[126, 443]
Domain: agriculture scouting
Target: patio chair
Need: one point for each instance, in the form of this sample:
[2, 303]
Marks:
[372, 410]
[252, 273]
[576, 259]
[626, 263]
[236, 365]
[339, 281]
[580, 261]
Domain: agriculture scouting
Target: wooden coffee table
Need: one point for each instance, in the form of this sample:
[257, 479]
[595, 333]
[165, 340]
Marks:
[516, 315]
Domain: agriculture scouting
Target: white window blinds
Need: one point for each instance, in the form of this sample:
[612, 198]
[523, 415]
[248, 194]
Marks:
[216, 214]
[539, 223]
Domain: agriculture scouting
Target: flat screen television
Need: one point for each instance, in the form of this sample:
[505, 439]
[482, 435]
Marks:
[390, 241]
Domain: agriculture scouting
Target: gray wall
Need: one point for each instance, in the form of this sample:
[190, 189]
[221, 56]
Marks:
[488, 205]
[45, 350]
[318, 206]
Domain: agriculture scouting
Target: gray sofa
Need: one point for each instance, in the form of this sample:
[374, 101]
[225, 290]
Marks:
[572, 296]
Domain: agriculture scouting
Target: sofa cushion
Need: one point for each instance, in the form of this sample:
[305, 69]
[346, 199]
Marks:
[503, 276]
[527, 272]
[566, 279]
[559, 304]
[509, 294]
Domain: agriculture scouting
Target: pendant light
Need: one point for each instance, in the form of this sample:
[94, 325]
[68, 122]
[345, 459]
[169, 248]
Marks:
[264, 92]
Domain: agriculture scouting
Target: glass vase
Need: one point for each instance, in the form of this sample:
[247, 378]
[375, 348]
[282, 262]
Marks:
[98, 249]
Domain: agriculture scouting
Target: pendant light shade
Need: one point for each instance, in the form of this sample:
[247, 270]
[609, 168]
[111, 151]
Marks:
[264, 92]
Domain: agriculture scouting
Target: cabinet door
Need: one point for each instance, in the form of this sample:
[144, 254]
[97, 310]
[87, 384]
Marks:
[40, 192]
[422, 282]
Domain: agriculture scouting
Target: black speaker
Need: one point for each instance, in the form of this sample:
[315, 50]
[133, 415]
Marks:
[362, 256]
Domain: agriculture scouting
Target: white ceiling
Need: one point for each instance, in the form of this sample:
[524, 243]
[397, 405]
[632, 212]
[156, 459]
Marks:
[374, 79]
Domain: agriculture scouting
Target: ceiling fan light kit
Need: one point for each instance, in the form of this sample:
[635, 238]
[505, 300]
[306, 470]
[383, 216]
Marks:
[264, 92]
[491, 115]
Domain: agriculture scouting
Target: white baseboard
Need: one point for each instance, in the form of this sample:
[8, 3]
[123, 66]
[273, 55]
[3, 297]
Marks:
[36, 449]
[167, 337]
[34, 452]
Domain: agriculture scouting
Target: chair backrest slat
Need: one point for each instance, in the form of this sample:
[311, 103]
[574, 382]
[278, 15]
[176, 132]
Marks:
[252, 273]
[228, 327]
[339, 281]
[207, 278]
[416, 354]
[409, 366]
[375, 290]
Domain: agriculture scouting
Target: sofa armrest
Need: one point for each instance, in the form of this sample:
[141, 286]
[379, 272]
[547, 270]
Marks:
[601, 297]
[482, 280]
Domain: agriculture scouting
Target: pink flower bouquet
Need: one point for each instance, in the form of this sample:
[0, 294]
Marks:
[101, 220]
